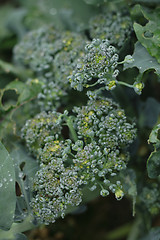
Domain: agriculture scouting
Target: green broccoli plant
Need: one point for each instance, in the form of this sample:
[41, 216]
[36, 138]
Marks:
[79, 114]
[93, 156]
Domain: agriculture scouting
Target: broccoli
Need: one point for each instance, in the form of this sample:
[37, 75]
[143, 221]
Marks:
[94, 158]
[37, 129]
[114, 26]
[103, 126]
[104, 121]
[52, 56]
[36, 50]
[52, 95]
[97, 66]
[94, 150]
[56, 148]
[55, 188]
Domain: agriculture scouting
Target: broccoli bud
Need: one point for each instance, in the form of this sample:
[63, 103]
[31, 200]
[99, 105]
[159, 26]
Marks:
[36, 50]
[56, 148]
[37, 129]
[114, 26]
[97, 66]
[106, 122]
[55, 188]
[103, 126]
[52, 57]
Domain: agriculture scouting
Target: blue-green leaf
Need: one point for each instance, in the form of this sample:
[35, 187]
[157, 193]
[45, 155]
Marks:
[7, 189]
[148, 112]
[25, 169]
[149, 35]
[153, 162]
[20, 236]
[153, 138]
[154, 234]
[143, 60]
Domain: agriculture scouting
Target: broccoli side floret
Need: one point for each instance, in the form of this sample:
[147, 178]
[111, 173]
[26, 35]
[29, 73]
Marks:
[114, 26]
[52, 95]
[56, 148]
[70, 47]
[97, 66]
[37, 129]
[51, 56]
[101, 134]
[55, 188]
[106, 134]
[36, 50]
[106, 122]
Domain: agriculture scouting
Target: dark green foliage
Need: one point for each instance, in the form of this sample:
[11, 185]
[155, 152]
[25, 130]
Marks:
[7, 180]
[74, 121]
[150, 197]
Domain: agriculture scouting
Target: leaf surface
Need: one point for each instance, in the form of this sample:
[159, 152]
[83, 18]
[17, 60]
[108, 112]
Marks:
[7, 189]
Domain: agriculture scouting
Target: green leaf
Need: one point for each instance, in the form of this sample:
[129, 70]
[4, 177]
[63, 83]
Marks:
[20, 236]
[5, 12]
[147, 1]
[129, 185]
[25, 169]
[153, 162]
[154, 234]
[149, 35]
[143, 60]
[8, 68]
[7, 189]
[16, 230]
[153, 138]
[148, 113]
[25, 92]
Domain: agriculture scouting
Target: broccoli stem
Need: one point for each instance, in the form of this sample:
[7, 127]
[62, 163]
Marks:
[71, 128]
[125, 84]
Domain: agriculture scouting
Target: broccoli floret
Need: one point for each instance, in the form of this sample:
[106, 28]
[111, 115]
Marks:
[103, 126]
[114, 26]
[55, 188]
[95, 159]
[51, 56]
[96, 168]
[97, 66]
[106, 122]
[37, 129]
[36, 50]
[71, 47]
[56, 148]
[70, 41]
[52, 95]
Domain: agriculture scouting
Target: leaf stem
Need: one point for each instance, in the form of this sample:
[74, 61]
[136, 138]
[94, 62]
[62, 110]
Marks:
[71, 128]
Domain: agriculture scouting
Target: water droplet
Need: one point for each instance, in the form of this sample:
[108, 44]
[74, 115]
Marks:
[20, 174]
[1, 184]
